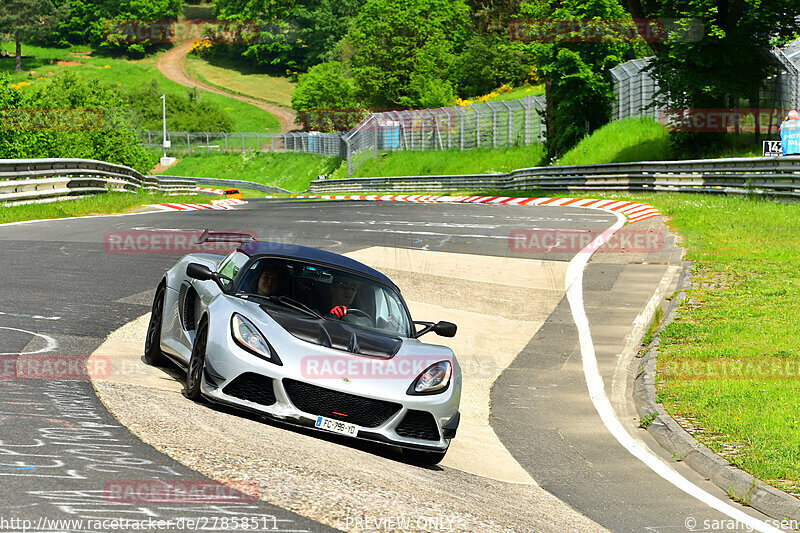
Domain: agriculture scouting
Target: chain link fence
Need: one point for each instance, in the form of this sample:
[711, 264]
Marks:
[191, 143]
[484, 125]
[635, 89]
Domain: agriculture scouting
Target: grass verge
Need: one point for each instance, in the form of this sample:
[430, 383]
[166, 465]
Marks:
[290, 171]
[46, 62]
[98, 204]
[236, 78]
[482, 161]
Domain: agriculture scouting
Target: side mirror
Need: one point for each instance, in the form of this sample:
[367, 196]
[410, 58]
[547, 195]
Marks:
[442, 328]
[198, 271]
[203, 273]
[445, 329]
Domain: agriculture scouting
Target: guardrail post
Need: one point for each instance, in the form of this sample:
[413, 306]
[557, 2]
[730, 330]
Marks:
[226, 140]
[188, 143]
[208, 144]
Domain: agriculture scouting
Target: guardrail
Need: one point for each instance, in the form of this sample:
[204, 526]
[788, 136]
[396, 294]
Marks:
[779, 177]
[217, 182]
[33, 179]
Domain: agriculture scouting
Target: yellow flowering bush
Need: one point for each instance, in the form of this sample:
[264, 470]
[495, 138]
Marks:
[199, 46]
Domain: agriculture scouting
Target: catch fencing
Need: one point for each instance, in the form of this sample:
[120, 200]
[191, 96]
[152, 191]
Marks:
[191, 143]
[635, 89]
[484, 125]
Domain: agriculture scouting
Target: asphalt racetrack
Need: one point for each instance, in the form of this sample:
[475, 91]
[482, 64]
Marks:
[532, 453]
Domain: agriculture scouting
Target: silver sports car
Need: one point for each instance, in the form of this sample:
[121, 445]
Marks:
[309, 337]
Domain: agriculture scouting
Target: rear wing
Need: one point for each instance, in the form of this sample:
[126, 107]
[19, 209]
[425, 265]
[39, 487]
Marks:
[225, 236]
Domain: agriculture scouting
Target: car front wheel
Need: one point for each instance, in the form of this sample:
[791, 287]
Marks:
[152, 346]
[197, 362]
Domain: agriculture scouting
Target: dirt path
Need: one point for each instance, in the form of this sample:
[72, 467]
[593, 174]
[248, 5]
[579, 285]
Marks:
[172, 65]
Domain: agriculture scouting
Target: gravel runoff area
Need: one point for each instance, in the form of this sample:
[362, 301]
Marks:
[347, 484]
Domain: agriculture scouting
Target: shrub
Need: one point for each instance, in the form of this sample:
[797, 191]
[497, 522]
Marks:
[104, 132]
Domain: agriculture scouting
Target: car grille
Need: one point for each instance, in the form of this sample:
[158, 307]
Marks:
[253, 388]
[418, 425]
[339, 405]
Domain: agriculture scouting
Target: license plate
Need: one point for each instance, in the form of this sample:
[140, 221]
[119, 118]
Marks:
[336, 426]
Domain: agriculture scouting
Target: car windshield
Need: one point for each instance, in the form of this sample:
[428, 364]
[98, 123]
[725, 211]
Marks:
[320, 291]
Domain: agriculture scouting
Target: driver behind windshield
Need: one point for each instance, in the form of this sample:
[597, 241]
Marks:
[343, 291]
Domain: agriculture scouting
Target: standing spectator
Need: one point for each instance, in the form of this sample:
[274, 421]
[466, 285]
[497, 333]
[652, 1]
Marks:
[790, 134]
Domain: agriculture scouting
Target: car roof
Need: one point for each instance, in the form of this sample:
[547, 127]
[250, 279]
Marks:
[314, 255]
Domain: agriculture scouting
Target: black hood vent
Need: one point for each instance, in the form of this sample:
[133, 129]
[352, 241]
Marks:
[337, 335]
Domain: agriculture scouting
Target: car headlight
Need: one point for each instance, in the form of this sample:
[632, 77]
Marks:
[248, 337]
[435, 379]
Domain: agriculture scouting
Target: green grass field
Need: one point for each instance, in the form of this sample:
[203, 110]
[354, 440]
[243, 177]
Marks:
[644, 139]
[241, 79]
[631, 139]
[44, 62]
[98, 204]
[289, 171]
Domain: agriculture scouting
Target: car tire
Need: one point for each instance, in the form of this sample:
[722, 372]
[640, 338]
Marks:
[423, 458]
[197, 363]
[152, 345]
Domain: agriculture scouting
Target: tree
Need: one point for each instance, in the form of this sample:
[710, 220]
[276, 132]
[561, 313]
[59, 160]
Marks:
[402, 52]
[28, 19]
[273, 37]
[574, 67]
[321, 24]
[67, 116]
[323, 98]
[488, 61]
[724, 62]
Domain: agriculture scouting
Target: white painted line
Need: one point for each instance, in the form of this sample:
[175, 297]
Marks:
[51, 345]
[574, 286]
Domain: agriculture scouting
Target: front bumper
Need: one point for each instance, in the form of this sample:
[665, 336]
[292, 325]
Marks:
[235, 377]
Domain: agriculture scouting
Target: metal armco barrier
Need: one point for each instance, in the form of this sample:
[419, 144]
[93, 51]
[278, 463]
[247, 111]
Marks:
[778, 177]
[219, 182]
[27, 179]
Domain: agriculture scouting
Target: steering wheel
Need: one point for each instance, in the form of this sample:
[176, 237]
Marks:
[359, 313]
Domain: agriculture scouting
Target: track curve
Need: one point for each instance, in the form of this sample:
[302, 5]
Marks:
[540, 409]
